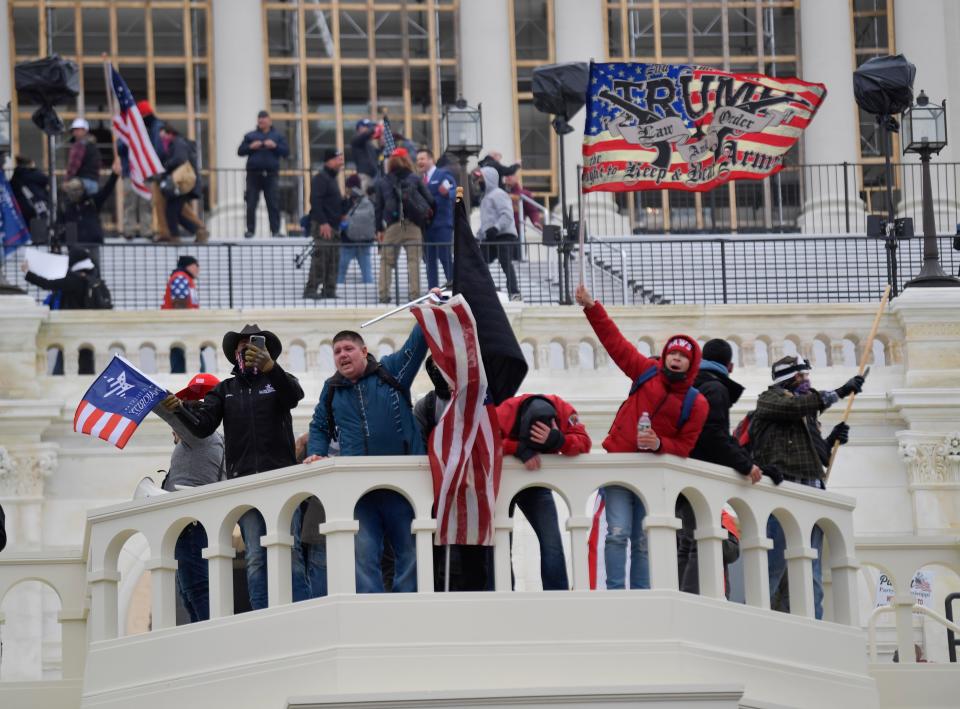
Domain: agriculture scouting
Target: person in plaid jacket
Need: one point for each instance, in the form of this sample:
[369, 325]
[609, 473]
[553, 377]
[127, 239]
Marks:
[785, 435]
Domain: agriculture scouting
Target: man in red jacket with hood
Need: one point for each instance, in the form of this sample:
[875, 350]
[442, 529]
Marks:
[532, 424]
[662, 391]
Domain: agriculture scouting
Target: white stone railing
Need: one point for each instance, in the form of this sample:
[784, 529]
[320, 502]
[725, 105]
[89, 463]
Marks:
[340, 483]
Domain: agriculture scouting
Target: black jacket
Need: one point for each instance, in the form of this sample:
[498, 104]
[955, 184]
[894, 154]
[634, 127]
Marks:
[72, 288]
[257, 426]
[715, 444]
[387, 198]
[86, 213]
[264, 158]
[364, 154]
[326, 201]
[30, 179]
[176, 154]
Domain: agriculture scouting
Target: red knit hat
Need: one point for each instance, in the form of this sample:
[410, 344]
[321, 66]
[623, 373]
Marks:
[145, 108]
[681, 344]
[198, 387]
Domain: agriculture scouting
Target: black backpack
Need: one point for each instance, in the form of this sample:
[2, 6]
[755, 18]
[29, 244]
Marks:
[96, 295]
[413, 206]
[387, 379]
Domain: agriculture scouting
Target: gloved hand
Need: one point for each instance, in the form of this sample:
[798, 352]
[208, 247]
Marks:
[773, 472]
[171, 403]
[491, 234]
[840, 434]
[253, 356]
[853, 385]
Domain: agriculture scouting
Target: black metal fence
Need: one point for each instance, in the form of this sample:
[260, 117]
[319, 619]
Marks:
[639, 270]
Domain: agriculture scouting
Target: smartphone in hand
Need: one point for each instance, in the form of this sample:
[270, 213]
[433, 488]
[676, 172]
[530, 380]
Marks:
[258, 341]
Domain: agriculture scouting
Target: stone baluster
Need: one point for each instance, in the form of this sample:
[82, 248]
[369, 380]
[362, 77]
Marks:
[424, 529]
[103, 604]
[837, 358]
[501, 553]
[710, 554]
[573, 355]
[579, 528]
[845, 592]
[800, 571]
[73, 634]
[748, 353]
[341, 559]
[279, 567]
[662, 550]
[163, 584]
[220, 579]
[756, 578]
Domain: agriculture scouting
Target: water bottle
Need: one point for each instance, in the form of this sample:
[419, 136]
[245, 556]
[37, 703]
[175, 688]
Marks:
[643, 425]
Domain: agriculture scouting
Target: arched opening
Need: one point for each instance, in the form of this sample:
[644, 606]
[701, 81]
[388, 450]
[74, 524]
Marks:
[821, 351]
[848, 350]
[297, 357]
[586, 355]
[86, 359]
[735, 351]
[785, 533]
[557, 357]
[32, 636]
[385, 518]
[147, 357]
[645, 346]
[539, 544]
[617, 543]
[192, 578]
[325, 359]
[242, 529]
[384, 348]
[689, 507]
[930, 585]
[134, 592]
[117, 348]
[55, 360]
[878, 353]
[529, 354]
[309, 553]
[790, 347]
[208, 358]
[761, 352]
[178, 359]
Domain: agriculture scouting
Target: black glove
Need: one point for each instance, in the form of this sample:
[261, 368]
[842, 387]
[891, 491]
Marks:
[853, 385]
[840, 434]
[491, 234]
[524, 452]
[773, 472]
[554, 441]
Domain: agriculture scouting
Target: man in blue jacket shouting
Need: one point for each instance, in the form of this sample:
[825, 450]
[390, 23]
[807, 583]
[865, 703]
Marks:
[366, 408]
[263, 148]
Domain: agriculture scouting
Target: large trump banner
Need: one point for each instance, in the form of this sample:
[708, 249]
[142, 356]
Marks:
[677, 126]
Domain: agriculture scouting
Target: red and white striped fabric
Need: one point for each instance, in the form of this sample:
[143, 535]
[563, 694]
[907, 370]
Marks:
[113, 428]
[465, 449]
[128, 126]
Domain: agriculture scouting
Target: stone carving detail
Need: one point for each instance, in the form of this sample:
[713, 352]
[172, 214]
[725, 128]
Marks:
[932, 461]
[23, 475]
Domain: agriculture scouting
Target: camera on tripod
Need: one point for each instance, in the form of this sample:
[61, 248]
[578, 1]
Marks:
[881, 228]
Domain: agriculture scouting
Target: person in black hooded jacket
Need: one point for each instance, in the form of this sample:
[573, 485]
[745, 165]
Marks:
[254, 406]
[715, 445]
[72, 288]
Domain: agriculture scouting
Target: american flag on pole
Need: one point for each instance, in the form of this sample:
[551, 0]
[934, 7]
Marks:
[128, 126]
[117, 401]
[686, 127]
[389, 144]
[465, 449]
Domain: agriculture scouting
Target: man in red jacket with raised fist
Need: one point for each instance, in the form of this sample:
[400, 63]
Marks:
[532, 424]
[675, 413]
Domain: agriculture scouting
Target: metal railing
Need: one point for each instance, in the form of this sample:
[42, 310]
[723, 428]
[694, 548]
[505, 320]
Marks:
[813, 199]
[642, 270]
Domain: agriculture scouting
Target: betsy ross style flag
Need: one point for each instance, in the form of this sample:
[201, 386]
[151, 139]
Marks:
[128, 126]
[389, 144]
[117, 401]
[686, 127]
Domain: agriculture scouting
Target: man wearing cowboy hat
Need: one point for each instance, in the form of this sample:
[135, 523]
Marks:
[194, 461]
[254, 406]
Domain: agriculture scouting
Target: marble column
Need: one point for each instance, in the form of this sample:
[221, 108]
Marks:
[486, 76]
[826, 37]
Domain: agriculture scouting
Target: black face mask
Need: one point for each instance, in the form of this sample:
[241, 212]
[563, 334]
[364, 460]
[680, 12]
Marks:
[674, 376]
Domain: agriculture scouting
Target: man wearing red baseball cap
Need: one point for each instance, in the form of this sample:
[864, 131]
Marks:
[195, 461]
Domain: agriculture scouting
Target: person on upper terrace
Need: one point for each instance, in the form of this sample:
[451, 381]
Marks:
[785, 435]
[263, 147]
[662, 414]
[531, 424]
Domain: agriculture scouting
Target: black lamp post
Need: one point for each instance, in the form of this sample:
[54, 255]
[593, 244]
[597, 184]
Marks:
[463, 134]
[924, 128]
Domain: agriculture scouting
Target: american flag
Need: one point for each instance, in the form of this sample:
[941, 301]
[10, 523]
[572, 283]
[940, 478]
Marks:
[117, 401]
[465, 449]
[128, 126]
[686, 127]
[389, 144]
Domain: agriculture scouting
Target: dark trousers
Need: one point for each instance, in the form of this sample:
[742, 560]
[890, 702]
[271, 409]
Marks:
[324, 265]
[688, 571]
[173, 212]
[538, 507]
[504, 252]
[262, 181]
[192, 576]
[437, 247]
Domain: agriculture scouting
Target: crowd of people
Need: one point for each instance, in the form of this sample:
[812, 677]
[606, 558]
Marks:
[679, 403]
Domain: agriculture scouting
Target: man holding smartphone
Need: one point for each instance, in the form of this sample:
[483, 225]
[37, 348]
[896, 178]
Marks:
[438, 239]
[254, 406]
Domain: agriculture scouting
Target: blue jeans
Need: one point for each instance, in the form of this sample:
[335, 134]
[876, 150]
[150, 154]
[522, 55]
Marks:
[308, 562]
[192, 576]
[625, 515]
[252, 527]
[438, 247]
[538, 507]
[360, 252]
[384, 513]
[776, 565]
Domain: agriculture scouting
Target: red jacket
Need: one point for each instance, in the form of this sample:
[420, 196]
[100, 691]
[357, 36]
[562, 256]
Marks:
[180, 285]
[576, 439]
[658, 396]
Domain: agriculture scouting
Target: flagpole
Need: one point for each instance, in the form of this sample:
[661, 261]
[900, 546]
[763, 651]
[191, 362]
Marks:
[111, 105]
[401, 308]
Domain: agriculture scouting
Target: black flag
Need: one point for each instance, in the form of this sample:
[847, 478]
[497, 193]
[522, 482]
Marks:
[503, 360]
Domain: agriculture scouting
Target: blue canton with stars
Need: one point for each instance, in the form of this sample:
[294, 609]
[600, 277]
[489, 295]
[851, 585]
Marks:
[180, 288]
[602, 76]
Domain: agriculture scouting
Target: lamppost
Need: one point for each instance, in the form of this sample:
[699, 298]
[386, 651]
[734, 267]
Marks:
[463, 134]
[925, 133]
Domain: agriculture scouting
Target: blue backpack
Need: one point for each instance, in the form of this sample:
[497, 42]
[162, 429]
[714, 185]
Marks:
[688, 400]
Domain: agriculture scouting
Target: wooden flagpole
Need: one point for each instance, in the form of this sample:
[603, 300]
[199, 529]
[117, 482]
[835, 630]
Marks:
[867, 349]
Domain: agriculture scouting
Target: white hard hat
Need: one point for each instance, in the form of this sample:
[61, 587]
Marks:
[80, 123]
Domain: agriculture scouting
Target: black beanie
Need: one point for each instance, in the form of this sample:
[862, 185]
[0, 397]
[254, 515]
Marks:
[185, 261]
[718, 351]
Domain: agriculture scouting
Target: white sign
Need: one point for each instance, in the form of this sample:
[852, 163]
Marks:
[45, 264]
[921, 586]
